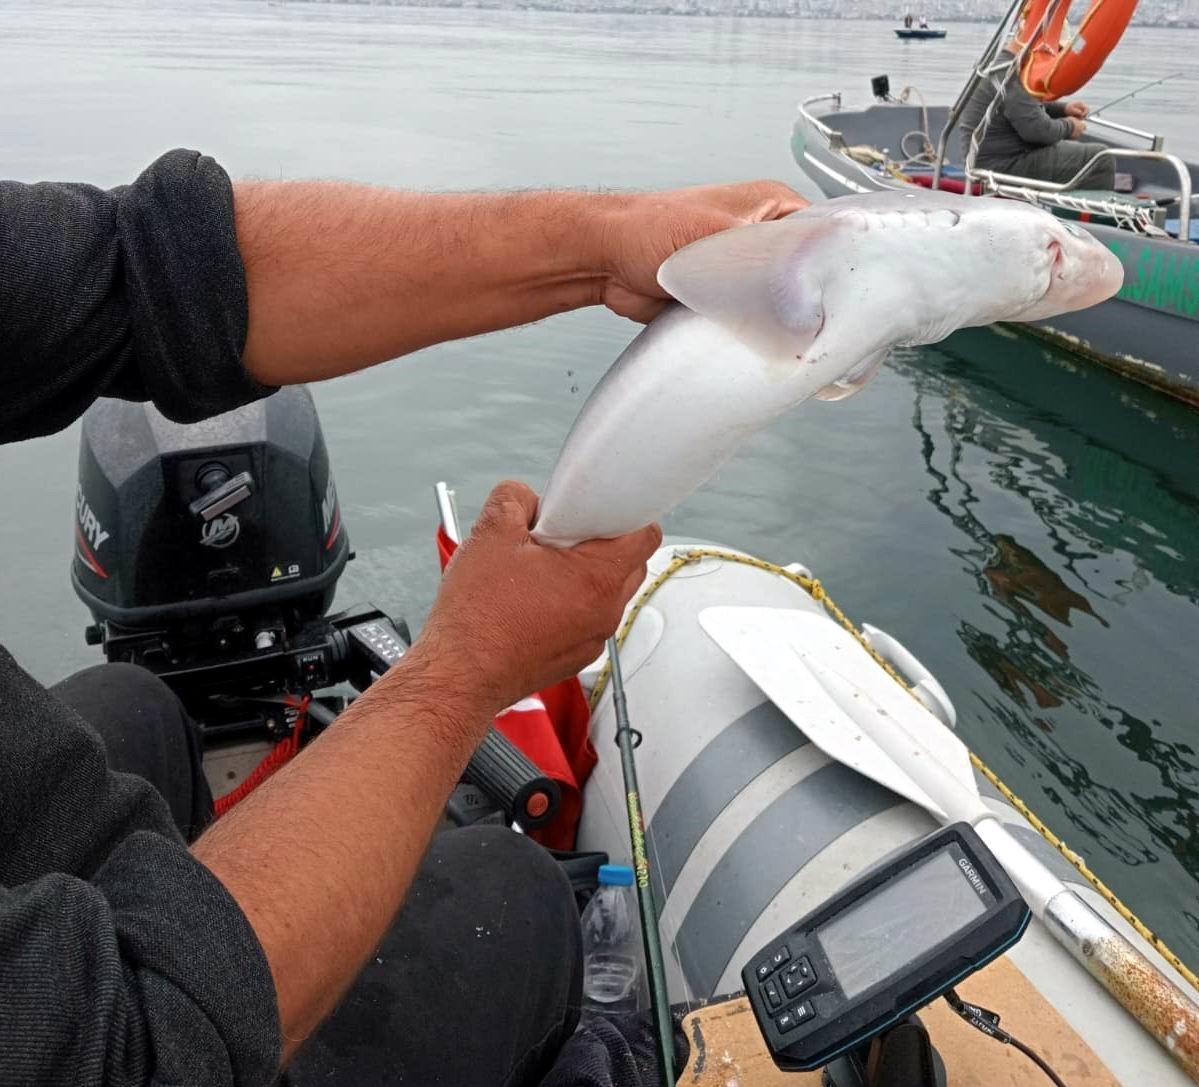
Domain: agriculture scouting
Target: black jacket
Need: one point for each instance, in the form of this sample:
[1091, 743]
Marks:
[122, 959]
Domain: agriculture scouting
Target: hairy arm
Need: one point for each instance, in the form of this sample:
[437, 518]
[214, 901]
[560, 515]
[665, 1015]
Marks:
[342, 276]
[320, 856]
[201, 294]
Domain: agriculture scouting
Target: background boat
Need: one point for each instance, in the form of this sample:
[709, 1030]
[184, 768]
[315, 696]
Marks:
[1148, 331]
[916, 33]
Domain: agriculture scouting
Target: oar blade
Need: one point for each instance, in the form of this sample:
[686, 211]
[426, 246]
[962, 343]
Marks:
[768, 647]
[856, 682]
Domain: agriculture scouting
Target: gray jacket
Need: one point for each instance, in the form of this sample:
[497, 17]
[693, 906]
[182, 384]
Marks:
[1021, 124]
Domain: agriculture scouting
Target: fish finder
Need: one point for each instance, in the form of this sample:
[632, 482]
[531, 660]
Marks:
[887, 944]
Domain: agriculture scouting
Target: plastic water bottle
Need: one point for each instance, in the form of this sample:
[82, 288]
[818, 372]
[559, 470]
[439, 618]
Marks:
[614, 979]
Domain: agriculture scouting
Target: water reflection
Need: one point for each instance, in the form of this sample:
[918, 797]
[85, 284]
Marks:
[1073, 499]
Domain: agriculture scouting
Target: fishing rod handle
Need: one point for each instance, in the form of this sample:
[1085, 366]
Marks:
[502, 770]
[1160, 1006]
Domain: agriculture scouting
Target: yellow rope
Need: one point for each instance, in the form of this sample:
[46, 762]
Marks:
[816, 590]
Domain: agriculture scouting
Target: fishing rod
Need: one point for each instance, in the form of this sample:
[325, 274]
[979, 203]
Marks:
[645, 898]
[1131, 94]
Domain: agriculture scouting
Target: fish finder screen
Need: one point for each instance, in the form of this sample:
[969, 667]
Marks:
[898, 923]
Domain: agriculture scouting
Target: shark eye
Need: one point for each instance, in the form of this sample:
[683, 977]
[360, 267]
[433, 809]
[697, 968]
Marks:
[1077, 231]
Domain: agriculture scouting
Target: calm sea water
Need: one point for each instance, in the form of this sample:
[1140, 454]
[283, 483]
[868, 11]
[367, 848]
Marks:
[1026, 524]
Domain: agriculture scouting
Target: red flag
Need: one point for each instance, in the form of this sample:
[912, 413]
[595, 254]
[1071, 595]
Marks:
[552, 728]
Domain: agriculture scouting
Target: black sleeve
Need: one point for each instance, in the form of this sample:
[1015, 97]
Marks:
[138, 292]
[609, 1051]
[617, 1051]
[122, 959]
[1056, 110]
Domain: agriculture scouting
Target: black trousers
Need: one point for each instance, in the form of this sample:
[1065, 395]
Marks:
[479, 980]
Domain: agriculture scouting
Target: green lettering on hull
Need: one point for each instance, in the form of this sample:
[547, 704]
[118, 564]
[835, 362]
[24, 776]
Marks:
[1160, 280]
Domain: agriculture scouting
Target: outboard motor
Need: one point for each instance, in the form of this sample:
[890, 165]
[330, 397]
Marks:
[178, 523]
[209, 553]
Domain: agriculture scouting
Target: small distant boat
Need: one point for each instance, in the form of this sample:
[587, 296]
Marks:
[918, 33]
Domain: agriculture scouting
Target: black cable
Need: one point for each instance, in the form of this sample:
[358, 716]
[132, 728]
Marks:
[988, 1023]
[1037, 1059]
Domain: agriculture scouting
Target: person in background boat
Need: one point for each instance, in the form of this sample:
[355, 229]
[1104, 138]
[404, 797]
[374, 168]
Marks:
[1031, 138]
[127, 957]
[907, 20]
[923, 22]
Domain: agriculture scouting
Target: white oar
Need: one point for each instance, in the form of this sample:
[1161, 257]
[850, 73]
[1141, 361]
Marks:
[800, 661]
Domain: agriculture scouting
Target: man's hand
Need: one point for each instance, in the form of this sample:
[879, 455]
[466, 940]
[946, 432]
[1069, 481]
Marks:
[1077, 109]
[1077, 126]
[519, 615]
[320, 856]
[649, 227]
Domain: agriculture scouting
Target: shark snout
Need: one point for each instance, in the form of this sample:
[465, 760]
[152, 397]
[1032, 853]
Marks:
[1082, 272]
[1085, 271]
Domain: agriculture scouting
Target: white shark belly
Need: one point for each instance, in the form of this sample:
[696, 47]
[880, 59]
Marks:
[671, 410]
[773, 314]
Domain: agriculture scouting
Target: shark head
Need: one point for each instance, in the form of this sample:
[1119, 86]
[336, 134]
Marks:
[840, 283]
[977, 259]
[1078, 269]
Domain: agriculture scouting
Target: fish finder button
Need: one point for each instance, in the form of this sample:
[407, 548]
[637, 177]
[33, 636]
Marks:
[774, 998]
[793, 1017]
[798, 977]
[780, 956]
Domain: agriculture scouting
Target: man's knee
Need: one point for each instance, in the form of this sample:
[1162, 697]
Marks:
[146, 731]
[1102, 174]
[493, 851]
[127, 689]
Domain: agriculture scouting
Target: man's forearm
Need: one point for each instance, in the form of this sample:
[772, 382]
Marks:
[320, 856]
[342, 276]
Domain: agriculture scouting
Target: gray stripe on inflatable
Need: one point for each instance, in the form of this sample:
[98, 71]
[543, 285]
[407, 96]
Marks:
[754, 742]
[987, 789]
[1044, 852]
[775, 846]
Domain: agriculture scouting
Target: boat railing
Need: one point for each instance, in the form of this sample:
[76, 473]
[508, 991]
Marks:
[834, 137]
[1156, 142]
[1030, 188]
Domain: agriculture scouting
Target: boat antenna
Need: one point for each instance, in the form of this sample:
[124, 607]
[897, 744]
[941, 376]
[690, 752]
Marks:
[627, 739]
[1131, 94]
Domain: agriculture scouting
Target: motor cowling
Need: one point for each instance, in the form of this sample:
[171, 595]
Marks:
[176, 523]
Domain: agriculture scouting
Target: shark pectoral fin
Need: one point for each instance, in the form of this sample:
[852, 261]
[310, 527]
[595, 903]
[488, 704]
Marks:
[752, 280]
[857, 378]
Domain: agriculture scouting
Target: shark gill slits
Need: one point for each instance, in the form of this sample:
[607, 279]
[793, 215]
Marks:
[1057, 257]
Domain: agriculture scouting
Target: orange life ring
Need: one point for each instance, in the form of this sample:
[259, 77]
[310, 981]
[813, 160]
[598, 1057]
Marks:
[1052, 67]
